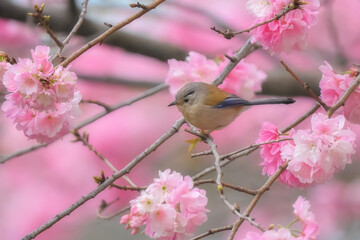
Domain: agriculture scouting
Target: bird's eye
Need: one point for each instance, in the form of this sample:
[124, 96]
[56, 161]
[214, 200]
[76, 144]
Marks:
[186, 100]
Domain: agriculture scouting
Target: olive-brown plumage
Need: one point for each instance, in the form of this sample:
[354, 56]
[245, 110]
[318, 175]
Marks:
[208, 107]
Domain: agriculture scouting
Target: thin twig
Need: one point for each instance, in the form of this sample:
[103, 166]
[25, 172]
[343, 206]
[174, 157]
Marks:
[128, 188]
[228, 185]
[104, 105]
[344, 97]
[84, 138]
[222, 163]
[212, 231]
[285, 10]
[306, 86]
[113, 215]
[240, 215]
[111, 30]
[212, 145]
[244, 51]
[76, 27]
[104, 205]
[253, 146]
[302, 118]
[44, 20]
[228, 33]
[205, 153]
[256, 198]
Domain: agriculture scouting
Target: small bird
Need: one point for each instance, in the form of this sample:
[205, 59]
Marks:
[208, 107]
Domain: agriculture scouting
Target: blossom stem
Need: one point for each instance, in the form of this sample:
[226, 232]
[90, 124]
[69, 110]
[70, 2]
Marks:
[237, 188]
[277, 16]
[76, 27]
[212, 231]
[228, 34]
[291, 223]
[305, 85]
[345, 96]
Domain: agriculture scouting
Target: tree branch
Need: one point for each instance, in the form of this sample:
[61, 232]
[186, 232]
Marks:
[63, 22]
[147, 93]
[175, 128]
[75, 28]
[257, 197]
[111, 30]
[345, 96]
[244, 51]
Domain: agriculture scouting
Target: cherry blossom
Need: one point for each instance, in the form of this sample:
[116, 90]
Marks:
[321, 151]
[171, 208]
[333, 86]
[315, 154]
[289, 32]
[42, 99]
[272, 154]
[310, 227]
[244, 80]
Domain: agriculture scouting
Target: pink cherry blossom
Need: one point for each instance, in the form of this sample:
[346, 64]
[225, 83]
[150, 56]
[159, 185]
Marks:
[170, 207]
[259, 8]
[323, 150]
[161, 221]
[302, 211]
[309, 231]
[315, 154]
[244, 80]
[196, 68]
[42, 99]
[272, 154]
[281, 234]
[288, 33]
[333, 86]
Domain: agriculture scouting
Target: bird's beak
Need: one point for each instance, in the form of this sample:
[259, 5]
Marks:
[172, 104]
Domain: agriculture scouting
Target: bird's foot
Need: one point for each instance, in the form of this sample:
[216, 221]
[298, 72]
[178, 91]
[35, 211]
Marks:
[193, 143]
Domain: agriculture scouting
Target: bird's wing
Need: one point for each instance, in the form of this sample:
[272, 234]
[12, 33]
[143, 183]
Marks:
[232, 101]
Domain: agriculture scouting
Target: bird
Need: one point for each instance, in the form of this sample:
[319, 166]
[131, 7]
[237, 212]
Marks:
[210, 108]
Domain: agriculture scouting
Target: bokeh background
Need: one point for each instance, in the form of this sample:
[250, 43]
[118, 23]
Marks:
[38, 185]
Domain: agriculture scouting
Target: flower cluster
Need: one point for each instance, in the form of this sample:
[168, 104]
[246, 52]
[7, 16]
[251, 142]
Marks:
[271, 153]
[315, 154]
[170, 208]
[334, 85]
[289, 32]
[42, 99]
[244, 79]
[310, 228]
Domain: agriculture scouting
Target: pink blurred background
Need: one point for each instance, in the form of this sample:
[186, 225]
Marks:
[38, 185]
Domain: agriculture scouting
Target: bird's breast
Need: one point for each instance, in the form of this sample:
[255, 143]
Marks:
[208, 118]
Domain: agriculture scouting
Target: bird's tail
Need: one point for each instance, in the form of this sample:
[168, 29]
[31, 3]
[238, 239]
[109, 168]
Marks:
[270, 101]
[233, 101]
